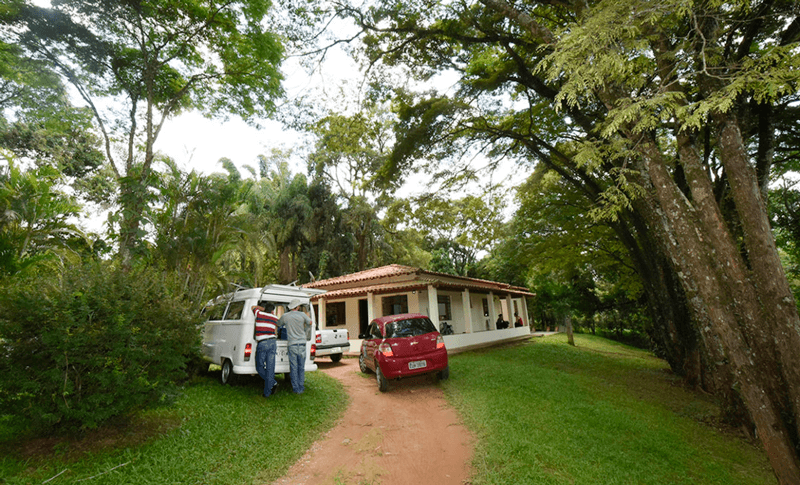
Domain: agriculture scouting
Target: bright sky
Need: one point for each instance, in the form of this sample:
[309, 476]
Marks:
[196, 142]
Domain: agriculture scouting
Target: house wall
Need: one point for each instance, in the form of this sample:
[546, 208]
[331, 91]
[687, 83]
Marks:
[351, 306]
[418, 303]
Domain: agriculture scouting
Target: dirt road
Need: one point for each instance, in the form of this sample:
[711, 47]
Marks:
[408, 435]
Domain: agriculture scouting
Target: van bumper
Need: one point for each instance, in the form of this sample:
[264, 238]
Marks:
[279, 368]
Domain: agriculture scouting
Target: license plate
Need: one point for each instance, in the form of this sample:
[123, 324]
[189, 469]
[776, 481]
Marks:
[418, 364]
[282, 354]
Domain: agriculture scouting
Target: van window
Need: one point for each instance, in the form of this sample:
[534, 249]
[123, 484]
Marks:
[214, 312]
[270, 307]
[235, 310]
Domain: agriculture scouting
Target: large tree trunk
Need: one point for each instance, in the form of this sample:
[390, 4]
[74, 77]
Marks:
[286, 270]
[727, 304]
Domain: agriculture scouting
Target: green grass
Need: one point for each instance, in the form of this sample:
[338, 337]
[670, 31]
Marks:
[214, 434]
[598, 413]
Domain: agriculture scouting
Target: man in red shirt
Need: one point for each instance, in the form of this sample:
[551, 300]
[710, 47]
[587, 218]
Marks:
[266, 332]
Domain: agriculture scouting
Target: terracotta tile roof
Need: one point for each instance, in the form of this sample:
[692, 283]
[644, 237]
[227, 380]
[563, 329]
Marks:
[423, 279]
[366, 275]
[376, 289]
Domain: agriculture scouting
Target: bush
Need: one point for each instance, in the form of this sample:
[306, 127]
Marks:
[92, 345]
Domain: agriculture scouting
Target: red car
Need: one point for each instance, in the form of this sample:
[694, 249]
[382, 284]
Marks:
[403, 346]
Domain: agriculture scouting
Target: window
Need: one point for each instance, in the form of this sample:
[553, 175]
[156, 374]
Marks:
[215, 311]
[235, 310]
[269, 306]
[409, 328]
[335, 314]
[395, 305]
[485, 307]
[374, 331]
[445, 311]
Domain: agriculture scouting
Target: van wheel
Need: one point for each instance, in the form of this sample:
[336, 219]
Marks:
[362, 364]
[383, 384]
[336, 357]
[227, 376]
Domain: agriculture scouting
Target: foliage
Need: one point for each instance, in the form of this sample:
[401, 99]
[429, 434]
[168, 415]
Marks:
[213, 434]
[37, 122]
[596, 413]
[785, 209]
[202, 232]
[90, 344]
[35, 222]
[349, 152]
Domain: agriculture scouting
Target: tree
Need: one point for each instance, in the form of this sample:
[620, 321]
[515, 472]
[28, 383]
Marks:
[555, 239]
[329, 249]
[349, 152]
[651, 109]
[37, 122]
[35, 218]
[203, 230]
[136, 64]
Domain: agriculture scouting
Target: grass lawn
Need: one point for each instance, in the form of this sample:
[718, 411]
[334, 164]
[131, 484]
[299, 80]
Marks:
[214, 434]
[599, 413]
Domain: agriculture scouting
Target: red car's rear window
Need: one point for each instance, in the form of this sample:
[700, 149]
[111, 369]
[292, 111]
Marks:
[409, 328]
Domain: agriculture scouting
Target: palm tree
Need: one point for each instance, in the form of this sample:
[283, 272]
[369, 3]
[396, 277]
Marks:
[35, 218]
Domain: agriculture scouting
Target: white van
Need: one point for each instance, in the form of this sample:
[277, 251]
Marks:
[228, 338]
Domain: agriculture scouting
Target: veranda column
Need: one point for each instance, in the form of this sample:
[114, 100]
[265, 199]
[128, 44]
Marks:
[433, 305]
[492, 313]
[465, 301]
[525, 311]
[510, 309]
[323, 314]
[370, 308]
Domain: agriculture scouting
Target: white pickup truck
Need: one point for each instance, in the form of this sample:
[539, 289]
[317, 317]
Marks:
[332, 342]
[228, 338]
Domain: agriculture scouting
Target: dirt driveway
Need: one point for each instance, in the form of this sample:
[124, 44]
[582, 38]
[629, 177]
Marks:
[408, 435]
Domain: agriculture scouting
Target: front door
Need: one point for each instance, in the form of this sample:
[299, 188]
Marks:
[363, 318]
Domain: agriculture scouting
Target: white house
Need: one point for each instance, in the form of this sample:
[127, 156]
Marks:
[470, 306]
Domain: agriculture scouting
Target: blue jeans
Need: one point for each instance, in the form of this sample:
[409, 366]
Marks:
[297, 367]
[265, 363]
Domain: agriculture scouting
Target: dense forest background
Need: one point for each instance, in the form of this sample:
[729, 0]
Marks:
[655, 200]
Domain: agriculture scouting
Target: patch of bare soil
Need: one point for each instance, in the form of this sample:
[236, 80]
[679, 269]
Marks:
[409, 435]
[120, 433]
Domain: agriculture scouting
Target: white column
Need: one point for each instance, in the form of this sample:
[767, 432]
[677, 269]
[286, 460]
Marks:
[492, 312]
[370, 308]
[433, 305]
[510, 310]
[525, 311]
[322, 317]
[467, 310]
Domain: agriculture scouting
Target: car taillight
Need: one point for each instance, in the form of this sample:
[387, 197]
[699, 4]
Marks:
[386, 350]
[319, 338]
[313, 351]
[248, 351]
[439, 342]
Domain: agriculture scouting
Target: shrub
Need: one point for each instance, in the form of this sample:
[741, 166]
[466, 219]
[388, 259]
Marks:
[93, 344]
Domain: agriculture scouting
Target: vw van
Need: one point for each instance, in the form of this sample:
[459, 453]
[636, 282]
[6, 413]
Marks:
[228, 334]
